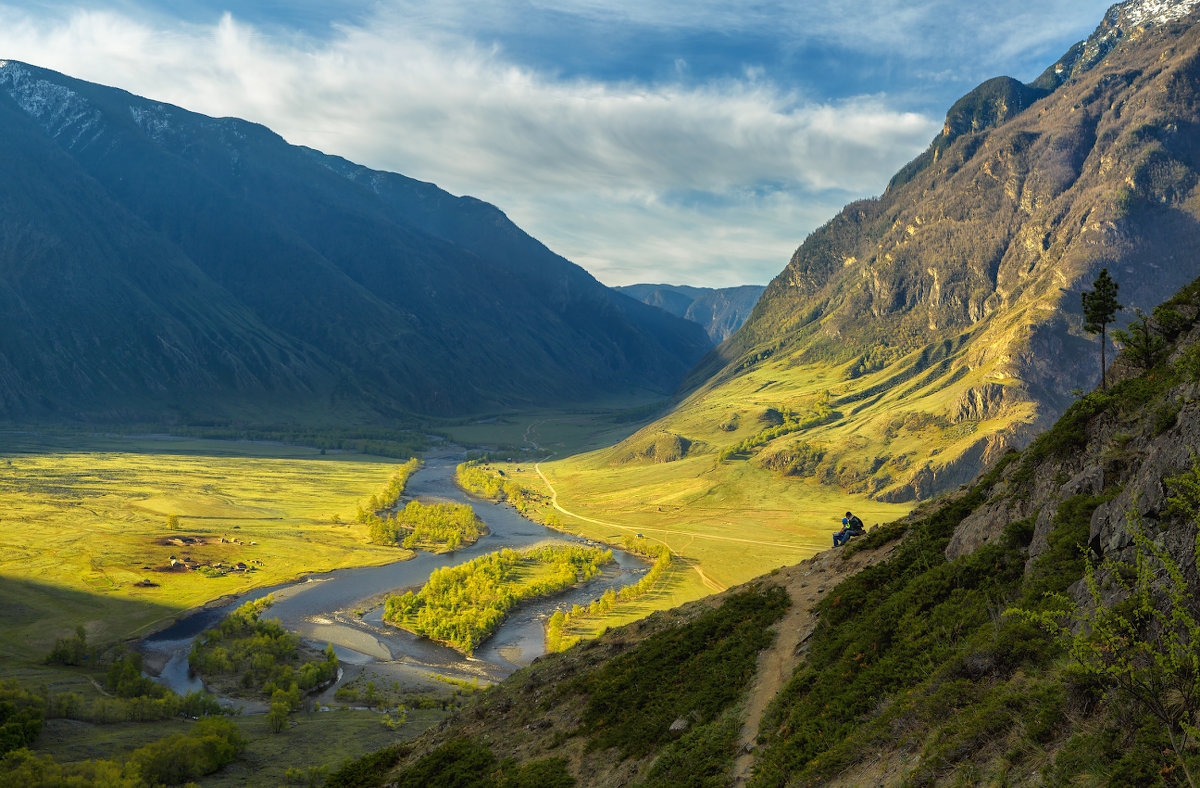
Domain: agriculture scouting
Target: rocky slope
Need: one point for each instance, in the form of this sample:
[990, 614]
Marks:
[158, 263]
[720, 311]
[950, 306]
[898, 659]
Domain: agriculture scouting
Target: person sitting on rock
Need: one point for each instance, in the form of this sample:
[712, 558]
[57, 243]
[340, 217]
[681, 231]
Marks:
[851, 526]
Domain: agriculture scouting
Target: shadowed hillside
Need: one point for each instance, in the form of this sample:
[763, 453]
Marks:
[155, 261]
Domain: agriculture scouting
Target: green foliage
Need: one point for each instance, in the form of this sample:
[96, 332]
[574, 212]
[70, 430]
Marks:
[1100, 306]
[478, 480]
[368, 511]
[262, 653]
[556, 638]
[211, 744]
[25, 769]
[428, 526]
[700, 758]
[895, 625]
[125, 679]
[368, 771]
[1143, 341]
[72, 650]
[463, 763]
[822, 413]
[1131, 752]
[1062, 562]
[1142, 648]
[21, 716]
[694, 671]
[462, 605]
[145, 708]
[800, 459]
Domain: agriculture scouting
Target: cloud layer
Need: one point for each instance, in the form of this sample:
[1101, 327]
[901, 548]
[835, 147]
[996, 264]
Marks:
[711, 183]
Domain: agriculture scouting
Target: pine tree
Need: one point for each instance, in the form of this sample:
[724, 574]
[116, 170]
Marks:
[1142, 342]
[1099, 307]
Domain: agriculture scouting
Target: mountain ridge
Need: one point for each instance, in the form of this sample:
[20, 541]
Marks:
[358, 293]
[952, 299]
[719, 310]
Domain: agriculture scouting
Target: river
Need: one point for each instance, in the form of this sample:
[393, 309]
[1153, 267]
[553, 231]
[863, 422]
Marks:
[344, 607]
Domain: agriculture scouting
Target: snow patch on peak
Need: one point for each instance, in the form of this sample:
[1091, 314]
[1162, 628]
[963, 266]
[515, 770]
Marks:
[154, 121]
[64, 114]
[1151, 13]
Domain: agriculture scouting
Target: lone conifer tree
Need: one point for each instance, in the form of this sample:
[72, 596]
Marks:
[1099, 307]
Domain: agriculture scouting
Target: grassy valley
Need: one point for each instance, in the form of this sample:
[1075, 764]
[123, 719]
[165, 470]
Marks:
[136, 531]
[1021, 631]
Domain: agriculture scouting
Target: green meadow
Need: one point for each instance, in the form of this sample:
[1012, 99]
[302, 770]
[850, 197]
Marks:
[89, 526]
[755, 469]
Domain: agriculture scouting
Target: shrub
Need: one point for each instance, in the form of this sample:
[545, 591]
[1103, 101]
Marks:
[211, 744]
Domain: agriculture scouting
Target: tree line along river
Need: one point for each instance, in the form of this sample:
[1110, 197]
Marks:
[345, 608]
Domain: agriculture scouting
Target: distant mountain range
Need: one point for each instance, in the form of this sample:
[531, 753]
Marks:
[154, 261]
[720, 311]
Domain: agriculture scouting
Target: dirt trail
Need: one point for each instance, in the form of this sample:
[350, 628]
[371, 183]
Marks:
[644, 528]
[709, 583]
[806, 583]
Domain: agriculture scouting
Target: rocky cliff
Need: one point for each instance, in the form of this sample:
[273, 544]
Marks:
[956, 294]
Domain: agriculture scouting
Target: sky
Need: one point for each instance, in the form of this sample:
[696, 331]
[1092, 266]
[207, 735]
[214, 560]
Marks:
[693, 142]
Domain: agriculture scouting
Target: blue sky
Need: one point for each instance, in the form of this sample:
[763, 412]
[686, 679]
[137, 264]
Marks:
[689, 142]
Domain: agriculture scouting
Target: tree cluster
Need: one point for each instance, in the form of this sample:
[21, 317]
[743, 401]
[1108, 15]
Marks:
[264, 655]
[173, 760]
[389, 496]
[477, 480]
[463, 605]
[822, 412]
[438, 526]
[557, 638]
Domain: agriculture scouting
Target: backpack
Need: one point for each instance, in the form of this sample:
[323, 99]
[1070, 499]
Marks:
[855, 525]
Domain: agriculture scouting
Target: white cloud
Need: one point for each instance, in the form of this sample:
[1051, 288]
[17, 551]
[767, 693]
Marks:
[588, 167]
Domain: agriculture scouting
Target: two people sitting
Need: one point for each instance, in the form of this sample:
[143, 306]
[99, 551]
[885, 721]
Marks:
[851, 526]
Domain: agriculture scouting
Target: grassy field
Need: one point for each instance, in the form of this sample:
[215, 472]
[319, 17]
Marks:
[737, 518]
[727, 521]
[84, 521]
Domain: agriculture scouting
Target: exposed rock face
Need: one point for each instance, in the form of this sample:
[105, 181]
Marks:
[962, 281]
[1130, 452]
[981, 402]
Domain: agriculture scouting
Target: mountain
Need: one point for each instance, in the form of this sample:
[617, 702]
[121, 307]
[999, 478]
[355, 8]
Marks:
[719, 310]
[1005, 634]
[156, 262]
[917, 336]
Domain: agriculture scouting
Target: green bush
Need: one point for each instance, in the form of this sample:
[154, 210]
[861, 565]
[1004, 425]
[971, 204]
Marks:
[463, 763]
[369, 771]
[22, 714]
[211, 744]
[694, 671]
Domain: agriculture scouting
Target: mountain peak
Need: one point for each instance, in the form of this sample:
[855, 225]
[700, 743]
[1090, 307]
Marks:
[1147, 13]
